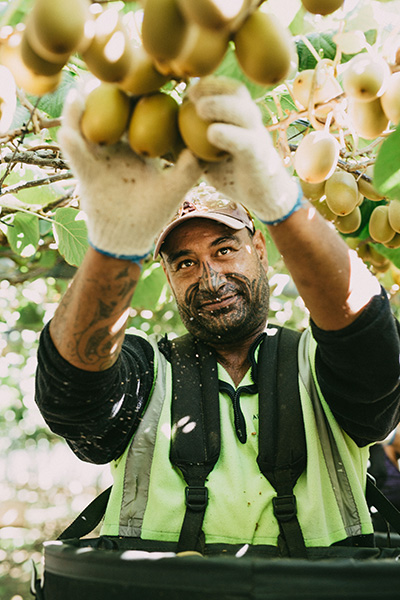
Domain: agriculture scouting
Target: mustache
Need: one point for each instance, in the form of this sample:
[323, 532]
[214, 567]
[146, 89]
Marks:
[199, 297]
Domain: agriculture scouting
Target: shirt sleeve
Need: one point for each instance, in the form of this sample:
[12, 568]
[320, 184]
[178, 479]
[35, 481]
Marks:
[358, 372]
[96, 412]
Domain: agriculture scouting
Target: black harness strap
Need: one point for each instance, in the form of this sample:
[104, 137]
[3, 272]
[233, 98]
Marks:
[195, 444]
[282, 453]
[196, 438]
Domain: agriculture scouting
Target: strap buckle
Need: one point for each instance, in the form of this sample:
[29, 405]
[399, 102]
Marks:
[285, 507]
[196, 497]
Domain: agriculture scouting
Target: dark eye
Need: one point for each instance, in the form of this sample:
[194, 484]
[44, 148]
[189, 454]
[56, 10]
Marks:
[224, 251]
[184, 264]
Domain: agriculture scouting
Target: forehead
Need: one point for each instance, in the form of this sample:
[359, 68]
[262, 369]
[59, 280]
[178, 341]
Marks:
[195, 233]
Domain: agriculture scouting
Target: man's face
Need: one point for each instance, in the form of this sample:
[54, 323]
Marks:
[218, 277]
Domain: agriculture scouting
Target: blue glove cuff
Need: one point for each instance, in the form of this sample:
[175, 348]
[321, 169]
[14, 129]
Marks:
[135, 258]
[298, 204]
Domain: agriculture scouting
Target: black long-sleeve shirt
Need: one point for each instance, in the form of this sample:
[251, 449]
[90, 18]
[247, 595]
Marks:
[97, 412]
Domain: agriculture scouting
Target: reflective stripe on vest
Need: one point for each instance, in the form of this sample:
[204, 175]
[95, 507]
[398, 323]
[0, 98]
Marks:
[129, 501]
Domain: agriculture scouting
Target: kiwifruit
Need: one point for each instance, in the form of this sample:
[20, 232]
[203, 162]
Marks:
[10, 56]
[58, 26]
[8, 98]
[142, 76]
[350, 42]
[106, 114]
[326, 86]
[316, 156]
[349, 223]
[366, 77]
[163, 29]
[34, 62]
[202, 51]
[212, 14]
[379, 226]
[391, 99]
[394, 215]
[153, 128]
[368, 118]
[313, 191]
[366, 188]
[325, 211]
[263, 48]
[322, 7]
[341, 193]
[193, 130]
[394, 242]
[109, 54]
[375, 258]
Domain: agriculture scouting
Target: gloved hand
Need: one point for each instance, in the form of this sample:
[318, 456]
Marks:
[128, 199]
[253, 173]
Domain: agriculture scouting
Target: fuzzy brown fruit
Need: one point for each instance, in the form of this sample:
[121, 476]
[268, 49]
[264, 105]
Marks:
[366, 77]
[341, 193]
[366, 188]
[202, 51]
[109, 54]
[263, 48]
[106, 114]
[349, 223]
[142, 76]
[391, 99]
[322, 7]
[379, 226]
[153, 128]
[212, 14]
[58, 26]
[25, 78]
[193, 130]
[316, 156]
[368, 118]
[163, 29]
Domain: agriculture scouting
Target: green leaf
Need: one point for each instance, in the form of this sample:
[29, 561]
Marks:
[70, 232]
[393, 254]
[322, 43]
[41, 195]
[52, 104]
[387, 167]
[151, 288]
[23, 234]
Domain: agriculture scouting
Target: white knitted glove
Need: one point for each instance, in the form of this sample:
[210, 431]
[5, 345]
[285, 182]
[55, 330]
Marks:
[128, 199]
[253, 173]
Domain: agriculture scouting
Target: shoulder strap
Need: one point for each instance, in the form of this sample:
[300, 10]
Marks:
[88, 519]
[196, 438]
[282, 453]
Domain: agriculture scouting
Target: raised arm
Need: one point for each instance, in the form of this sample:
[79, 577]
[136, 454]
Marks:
[89, 324]
[334, 284]
[332, 280]
[127, 200]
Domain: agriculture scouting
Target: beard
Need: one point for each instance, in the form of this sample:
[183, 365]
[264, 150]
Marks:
[246, 314]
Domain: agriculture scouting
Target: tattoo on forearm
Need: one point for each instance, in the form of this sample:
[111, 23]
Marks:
[100, 341]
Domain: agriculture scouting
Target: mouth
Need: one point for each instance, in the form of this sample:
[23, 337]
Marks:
[218, 303]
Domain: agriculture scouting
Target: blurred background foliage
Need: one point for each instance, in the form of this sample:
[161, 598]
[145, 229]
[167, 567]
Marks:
[42, 241]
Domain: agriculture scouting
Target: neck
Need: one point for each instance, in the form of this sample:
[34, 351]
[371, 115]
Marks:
[234, 356]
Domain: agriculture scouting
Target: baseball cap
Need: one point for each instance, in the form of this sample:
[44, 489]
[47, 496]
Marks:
[205, 202]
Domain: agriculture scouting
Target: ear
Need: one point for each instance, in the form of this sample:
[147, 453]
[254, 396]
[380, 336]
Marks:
[260, 246]
[166, 271]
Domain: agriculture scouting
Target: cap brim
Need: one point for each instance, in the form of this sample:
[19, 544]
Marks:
[231, 222]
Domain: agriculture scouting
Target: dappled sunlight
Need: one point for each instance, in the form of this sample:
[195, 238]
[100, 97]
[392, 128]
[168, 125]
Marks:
[362, 285]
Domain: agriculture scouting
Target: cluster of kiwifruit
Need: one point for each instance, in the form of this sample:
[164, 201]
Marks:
[371, 101]
[128, 99]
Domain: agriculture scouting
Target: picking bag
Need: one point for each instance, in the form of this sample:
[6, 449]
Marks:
[76, 570]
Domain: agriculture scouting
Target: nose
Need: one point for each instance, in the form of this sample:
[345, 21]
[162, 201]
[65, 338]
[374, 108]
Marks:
[210, 278]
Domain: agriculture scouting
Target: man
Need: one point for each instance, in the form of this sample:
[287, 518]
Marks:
[110, 395]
